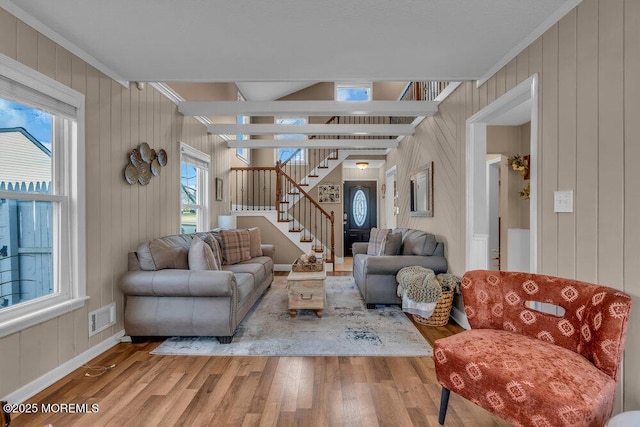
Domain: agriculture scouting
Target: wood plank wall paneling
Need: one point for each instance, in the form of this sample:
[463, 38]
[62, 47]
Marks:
[588, 64]
[631, 188]
[119, 216]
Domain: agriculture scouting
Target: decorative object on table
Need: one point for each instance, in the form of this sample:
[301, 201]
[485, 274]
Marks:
[525, 192]
[329, 193]
[450, 285]
[347, 328]
[144, 163]
[219, 188]
[308, 263]
[519, 164]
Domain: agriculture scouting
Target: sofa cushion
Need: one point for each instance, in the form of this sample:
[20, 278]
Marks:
[254, 242]
[201, 256]
[165, 252]
[255, 269]
[377, 240]
[245, 284]
[235, 246]
[265, 261]
[521, 377]
[418, 242]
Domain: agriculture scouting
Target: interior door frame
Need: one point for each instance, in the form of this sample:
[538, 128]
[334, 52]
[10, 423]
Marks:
[477, 207]
[388, 199]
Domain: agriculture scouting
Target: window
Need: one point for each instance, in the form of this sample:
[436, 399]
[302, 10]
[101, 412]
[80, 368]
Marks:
[353, 92]
[194, 180]
[243, 153]
[295, 154]
[42, 218]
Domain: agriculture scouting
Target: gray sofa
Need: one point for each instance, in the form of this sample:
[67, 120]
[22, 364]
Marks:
[165, 298]
[376, 275]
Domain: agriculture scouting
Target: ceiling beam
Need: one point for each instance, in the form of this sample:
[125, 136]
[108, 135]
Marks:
[346, 129]
[313, 143]
[308, 108]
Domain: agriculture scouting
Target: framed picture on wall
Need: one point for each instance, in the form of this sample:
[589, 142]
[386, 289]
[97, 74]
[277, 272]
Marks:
[329, 193]
[219, 190]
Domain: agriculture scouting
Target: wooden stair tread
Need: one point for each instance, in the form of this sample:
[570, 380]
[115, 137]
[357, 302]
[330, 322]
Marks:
[318, 249]
[285, 202]
[295, 230]
[313, 176]
[323, 167]
[294, 193]
[303, 185]
[284, 220]
[307, 240]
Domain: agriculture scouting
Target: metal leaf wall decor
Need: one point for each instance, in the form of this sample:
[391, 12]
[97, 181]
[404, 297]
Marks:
[144, 163]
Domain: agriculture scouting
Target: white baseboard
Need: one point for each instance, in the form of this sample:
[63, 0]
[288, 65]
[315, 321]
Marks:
[39, 384]
[460, 318]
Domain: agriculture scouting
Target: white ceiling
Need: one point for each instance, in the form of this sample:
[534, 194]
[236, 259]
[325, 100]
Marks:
[291, 40]
[373, 164]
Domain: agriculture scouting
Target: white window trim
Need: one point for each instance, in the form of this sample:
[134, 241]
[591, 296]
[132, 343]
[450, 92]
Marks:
[367, 85]
[186, 152]
[245, 158]
[71, 283]
[244, 154]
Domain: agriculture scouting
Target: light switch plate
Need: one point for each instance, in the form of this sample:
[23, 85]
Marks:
[563, 201]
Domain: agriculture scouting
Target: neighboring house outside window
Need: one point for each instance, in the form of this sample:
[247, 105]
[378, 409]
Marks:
[194, 190]
[42, 198]
[282, 154]
[353, 92]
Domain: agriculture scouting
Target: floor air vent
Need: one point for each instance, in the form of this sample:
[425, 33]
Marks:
[102, 318]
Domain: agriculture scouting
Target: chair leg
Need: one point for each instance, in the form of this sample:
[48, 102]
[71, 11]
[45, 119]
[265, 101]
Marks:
[444, 402]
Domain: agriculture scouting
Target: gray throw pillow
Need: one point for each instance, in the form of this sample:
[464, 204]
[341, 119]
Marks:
[418, 242]
[393, 244]
[201, 256]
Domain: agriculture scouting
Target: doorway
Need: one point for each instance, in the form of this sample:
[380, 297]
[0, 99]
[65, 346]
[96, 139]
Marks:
[360, 212]
[521, 100]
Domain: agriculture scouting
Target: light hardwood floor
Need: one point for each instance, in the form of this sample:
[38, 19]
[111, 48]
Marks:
[145, 390]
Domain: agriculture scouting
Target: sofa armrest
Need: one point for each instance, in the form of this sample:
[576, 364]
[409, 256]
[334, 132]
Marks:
[359, 248]
[268, 250]
[393, 264]
[178, 283]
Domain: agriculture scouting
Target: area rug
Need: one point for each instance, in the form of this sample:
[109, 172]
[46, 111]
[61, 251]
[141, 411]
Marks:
[347, 328]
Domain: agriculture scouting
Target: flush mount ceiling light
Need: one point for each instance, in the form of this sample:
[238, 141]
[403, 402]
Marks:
[362, 165]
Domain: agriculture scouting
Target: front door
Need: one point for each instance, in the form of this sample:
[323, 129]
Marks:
[360, 212]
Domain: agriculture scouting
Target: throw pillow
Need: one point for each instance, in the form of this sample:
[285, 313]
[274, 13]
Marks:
[201, 256]
[235, 246]
[377, 241]
[211, 240]
[393, 243]
[254, 242]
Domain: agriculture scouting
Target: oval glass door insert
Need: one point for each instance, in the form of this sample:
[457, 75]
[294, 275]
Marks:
[359, 208]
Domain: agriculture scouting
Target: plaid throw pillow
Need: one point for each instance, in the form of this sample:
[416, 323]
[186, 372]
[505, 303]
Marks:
[235, 246]
[377, 241]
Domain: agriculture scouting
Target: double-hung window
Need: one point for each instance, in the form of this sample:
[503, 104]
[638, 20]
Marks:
[42, 217]
[293, 153]
[194, 190]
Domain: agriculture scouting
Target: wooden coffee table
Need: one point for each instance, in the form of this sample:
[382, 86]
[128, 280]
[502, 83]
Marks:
[306, 291]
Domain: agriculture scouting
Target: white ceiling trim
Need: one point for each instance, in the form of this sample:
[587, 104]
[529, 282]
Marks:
[62, 41]
[314, 129]
[308, 108]
[533, 36]
[313, 143]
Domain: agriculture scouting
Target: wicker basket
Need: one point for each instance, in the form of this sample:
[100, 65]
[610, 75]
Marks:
[300, 267]
[440, 315]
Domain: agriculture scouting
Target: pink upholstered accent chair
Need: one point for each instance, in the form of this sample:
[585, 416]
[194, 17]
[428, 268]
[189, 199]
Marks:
[533, 368]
